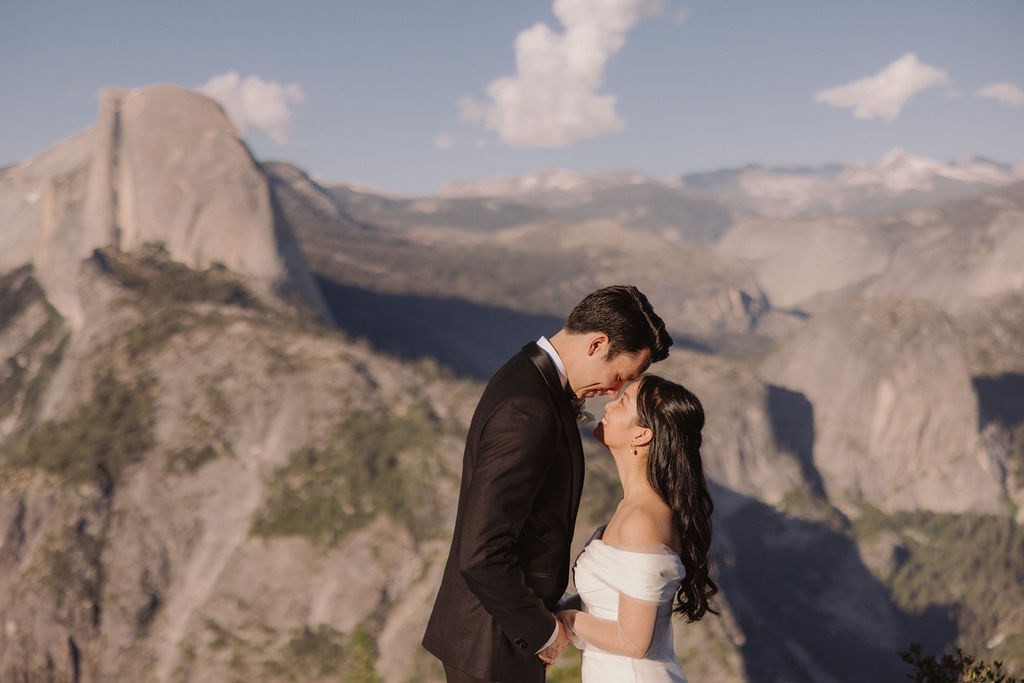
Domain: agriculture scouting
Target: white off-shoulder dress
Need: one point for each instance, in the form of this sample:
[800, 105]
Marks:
[606, 573]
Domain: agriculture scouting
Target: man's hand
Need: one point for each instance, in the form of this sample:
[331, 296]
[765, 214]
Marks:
[554, 650]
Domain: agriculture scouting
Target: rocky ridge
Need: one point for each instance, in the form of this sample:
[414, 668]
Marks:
[161, 165]
[186, 474]
[154, 510]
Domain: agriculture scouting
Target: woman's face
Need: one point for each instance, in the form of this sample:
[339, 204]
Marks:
[618, 426]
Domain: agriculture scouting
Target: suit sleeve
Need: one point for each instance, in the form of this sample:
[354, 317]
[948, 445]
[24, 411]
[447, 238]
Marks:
[514, 455]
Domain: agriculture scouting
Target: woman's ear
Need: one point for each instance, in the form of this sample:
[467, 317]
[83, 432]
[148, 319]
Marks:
[643, 437]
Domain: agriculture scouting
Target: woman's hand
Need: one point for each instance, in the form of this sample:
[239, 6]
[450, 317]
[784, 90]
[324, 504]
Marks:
[629, 635]
[568, 621]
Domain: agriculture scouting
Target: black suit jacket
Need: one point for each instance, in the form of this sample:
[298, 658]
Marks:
[522, 476]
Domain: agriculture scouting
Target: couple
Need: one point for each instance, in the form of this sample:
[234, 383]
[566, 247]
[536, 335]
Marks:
[498, 614]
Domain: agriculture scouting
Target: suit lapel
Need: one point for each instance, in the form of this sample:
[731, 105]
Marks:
[542, 361]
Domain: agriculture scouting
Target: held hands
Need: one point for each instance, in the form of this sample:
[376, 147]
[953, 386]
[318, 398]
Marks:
[567, 618]
[553, 651]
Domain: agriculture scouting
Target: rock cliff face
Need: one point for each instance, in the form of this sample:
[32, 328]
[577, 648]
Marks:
[161, 165]
[960, 252]
[747, 452]
[201, 495]
[895, 418]
[951, 254]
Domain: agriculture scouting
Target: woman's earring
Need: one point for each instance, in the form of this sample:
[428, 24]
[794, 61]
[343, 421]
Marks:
[634, 450]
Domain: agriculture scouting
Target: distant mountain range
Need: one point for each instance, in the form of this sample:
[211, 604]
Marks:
[697, 208]
[897, 172]
[897, 181]
[233, 398]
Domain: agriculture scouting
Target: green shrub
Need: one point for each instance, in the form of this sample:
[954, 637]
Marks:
[327, 653]
[982, 586]
[425, 667]
[159, 280]
[958, 668]
[207, 439]
[223, 638]
[100, 437]
[362, 653]
[370, 464]
[43, 351]
[190, 458]
[568, 668]
[75, 571]
[159, 325]
[38, 384]
[18, 291]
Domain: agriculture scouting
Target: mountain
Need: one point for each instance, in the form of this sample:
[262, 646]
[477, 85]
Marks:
[187, 478]
[542, 183]
[629, 199]
[856, 433]
[849, 363]
[233, 400]
[952, 253]
[898, 181]
[162, 164]
[180, 448]
[537, 268]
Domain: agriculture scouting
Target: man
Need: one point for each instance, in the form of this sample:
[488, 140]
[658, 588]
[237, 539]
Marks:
[522, 476]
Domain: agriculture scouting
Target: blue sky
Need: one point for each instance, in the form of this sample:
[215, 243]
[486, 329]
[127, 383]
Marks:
[406, 95]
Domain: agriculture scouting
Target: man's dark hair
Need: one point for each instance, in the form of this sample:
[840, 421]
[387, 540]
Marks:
[624, 314]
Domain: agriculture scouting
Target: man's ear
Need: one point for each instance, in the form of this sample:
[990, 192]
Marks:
[598, 342]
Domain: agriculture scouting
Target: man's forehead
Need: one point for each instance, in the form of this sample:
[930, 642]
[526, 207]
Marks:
[634, 364]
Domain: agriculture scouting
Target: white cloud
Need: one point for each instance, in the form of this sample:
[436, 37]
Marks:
[553, 99]
[1007, 93]
[255, 104]
[680, 16]
[444, 140]
[470, 109]
[885, 93]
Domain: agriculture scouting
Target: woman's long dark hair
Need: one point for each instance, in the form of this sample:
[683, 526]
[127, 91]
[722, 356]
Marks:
[675, 471]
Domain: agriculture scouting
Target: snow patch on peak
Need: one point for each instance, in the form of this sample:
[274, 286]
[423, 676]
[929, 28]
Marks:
[539, 183]
[505, 186]
[899, 171]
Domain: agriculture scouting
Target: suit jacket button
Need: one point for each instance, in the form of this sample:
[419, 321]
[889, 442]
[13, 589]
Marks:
[520, 642]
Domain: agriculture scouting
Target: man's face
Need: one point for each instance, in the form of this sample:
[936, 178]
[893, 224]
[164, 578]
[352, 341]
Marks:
[599, 376]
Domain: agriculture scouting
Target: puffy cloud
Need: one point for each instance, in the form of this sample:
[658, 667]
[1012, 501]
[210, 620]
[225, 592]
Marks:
[553, 99]
[1007, 93]
[444, 140]
[885, 93]
[256, 104]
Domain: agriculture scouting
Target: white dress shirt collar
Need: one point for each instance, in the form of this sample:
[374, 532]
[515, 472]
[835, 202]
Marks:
[555, 358]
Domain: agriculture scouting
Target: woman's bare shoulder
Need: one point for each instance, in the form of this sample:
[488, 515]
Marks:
[646, 523]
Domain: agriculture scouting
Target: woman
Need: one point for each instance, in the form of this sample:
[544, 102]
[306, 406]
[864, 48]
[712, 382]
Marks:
[651, 558]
